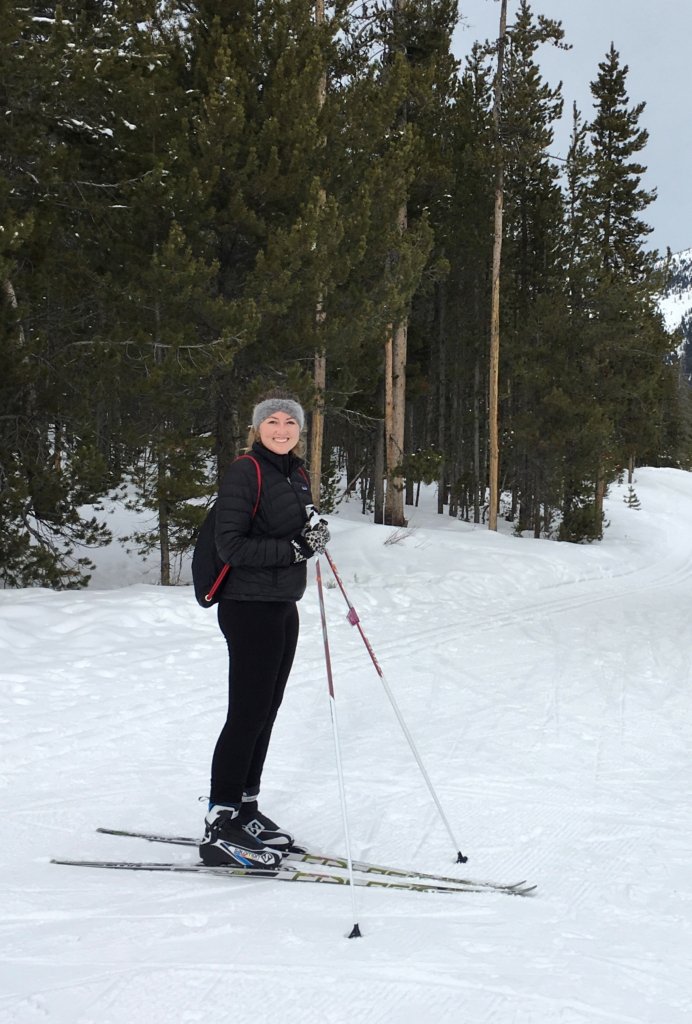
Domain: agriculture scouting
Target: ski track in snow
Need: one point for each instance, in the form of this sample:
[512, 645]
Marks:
[548, 690]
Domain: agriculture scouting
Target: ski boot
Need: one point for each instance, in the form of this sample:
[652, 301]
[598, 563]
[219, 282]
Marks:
[226, 842]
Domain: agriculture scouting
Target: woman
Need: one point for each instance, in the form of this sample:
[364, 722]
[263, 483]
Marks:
[257, 613]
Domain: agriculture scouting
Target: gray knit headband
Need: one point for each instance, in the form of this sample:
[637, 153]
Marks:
[263, 410]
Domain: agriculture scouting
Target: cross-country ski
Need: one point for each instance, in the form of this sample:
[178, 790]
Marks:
[289, 872]
[300, 854]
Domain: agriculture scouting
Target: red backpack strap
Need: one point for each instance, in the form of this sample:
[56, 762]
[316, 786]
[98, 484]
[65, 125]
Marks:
[259, 480]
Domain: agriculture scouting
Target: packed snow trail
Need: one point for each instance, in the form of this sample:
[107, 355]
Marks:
[548, 690]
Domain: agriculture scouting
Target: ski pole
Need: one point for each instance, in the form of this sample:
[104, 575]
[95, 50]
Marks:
[355, 931]
[355, 621]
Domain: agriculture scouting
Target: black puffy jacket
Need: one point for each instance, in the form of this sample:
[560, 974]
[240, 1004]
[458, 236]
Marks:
[259, 550]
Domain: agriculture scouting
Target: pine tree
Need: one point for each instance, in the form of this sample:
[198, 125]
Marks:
[618, 197]
[533, 268]
[50, 464]
[365, 266]
[466, 235]
[170, 331]
[631, 499]
[633, 343]
[585, 427]
[418, 66]
[259, 142]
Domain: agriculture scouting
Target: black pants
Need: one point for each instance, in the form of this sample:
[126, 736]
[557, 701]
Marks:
[261, 638]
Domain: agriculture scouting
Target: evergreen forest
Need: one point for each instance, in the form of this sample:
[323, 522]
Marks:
[202, 201]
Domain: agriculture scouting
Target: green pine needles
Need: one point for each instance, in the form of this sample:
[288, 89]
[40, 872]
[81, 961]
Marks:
[194, 207]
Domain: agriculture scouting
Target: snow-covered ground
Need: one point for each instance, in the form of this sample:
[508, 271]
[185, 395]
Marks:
[549, 691]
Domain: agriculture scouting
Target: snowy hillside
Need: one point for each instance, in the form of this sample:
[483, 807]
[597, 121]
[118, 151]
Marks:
[547, 687]
[676, 302]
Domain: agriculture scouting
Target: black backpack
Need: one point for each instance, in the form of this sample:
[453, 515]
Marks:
[208, 570]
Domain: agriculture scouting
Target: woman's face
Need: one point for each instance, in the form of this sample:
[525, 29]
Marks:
[279, 433]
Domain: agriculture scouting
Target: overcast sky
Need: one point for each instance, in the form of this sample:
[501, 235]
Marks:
[653, 37]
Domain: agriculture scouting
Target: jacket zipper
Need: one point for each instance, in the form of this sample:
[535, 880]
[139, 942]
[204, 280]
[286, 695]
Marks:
[301, 506]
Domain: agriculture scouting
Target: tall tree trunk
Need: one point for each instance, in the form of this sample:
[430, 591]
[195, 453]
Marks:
[317, 421]
[320, 376]
[442, 401]
[379, 471]
[395, 408]
[161, 486]
[388, 409]
[494, 381]
[11, 297]
[164, 525]
[601, 487]
[395, 362]
[478, 466]
[409, 433]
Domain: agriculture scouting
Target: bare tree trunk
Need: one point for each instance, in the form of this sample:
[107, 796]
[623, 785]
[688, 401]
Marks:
[388, 412]
[395, 366]
[442, 407]
[31, 404]
[409, 433]
[456, 407]
[601, 488]
[11, 296]
[379, 471]
[317, 422]
[395, 408]
[395, 405]
[164, 527]
[494, 381]
[317, 418]
[478, 469]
